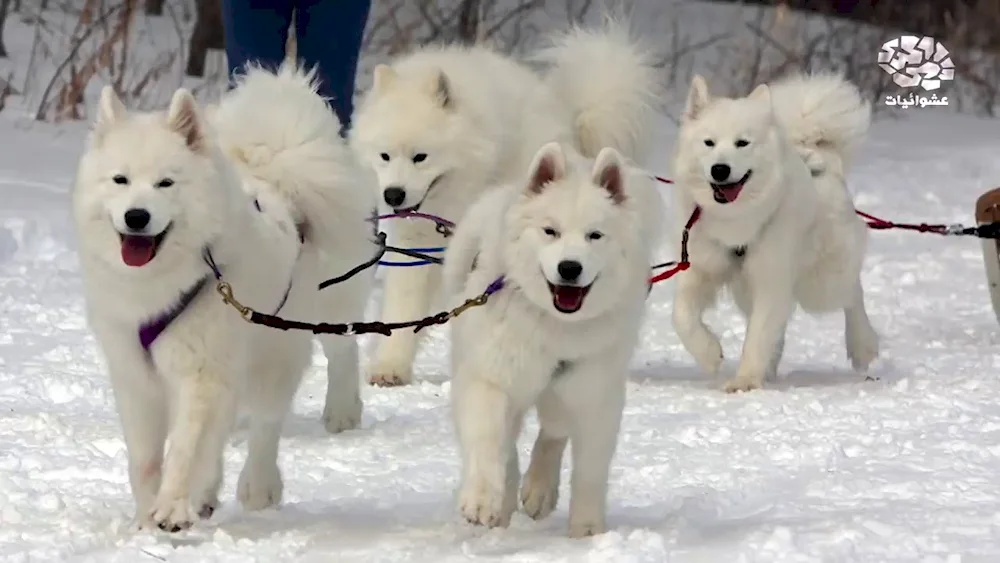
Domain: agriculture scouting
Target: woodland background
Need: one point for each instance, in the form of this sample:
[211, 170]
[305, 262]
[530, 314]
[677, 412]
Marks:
[58, 50]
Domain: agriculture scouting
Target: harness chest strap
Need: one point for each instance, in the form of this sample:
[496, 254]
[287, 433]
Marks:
[149, 331]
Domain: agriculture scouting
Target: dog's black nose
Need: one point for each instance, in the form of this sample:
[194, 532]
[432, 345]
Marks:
[394, 196]
[136, 219]
[570, 270]
[720, 172]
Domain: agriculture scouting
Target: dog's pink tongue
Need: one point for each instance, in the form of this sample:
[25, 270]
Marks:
[569, 298]
[730, 194]
[137, 251]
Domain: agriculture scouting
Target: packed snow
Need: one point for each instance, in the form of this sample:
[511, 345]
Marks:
[820, 466]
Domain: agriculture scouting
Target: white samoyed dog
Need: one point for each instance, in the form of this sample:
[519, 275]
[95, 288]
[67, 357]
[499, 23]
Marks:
[777, 223]
[292, 147]
[443, 123]
[160, 214]
[572, 241]
[573, 244]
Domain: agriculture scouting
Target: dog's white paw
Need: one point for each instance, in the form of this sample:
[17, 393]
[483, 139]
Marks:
[584, 527]
[482, 503]
[742, 383]
[172, 514]
[207, 507]
[259, 486]
[862, 347]
[342, 414]
[706, 351]
[539, 495]
[384, 375]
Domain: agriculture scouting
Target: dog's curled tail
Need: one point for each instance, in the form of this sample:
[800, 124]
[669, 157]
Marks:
[610, 82]
[277, 125]
[822, 111]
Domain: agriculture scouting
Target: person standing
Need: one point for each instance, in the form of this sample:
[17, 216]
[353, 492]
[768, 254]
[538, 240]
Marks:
[328, 36]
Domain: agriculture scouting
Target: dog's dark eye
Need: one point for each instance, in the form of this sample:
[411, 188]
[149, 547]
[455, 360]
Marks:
[595, 235]
[120, 180]
[549, 231]
[385, 156]
[165, 183]
[740, 143]
[419, 157]
[709, 143]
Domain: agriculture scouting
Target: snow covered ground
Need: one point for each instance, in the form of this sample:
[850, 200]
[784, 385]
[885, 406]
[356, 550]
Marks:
[821, 467]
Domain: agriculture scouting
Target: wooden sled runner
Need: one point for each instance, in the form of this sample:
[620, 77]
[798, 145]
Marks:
[988, 211]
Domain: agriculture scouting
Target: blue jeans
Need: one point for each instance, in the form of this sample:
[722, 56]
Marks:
[328, 35]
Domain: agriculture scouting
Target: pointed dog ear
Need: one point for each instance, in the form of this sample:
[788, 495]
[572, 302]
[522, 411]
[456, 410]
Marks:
[548, 166]
[184, 119]
[609, 173]
[698, 98]
[439, 86]
[110, 110]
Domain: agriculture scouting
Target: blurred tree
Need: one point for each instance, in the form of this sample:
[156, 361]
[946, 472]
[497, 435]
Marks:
[208, 34]
[942, 20]
[154, 7]
[5, 8]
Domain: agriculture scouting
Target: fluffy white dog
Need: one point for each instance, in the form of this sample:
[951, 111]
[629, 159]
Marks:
[777, 224]
[160, 213]
[573, 245]
[443, 123]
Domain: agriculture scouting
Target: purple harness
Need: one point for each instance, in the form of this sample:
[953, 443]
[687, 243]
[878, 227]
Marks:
[151, 330]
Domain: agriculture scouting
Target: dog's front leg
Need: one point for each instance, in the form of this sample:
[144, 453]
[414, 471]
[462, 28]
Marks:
[694, 293]
[594, 395]
[770, 279]
[201, 405]
[142, 401]
[408, 295]
[487, 423]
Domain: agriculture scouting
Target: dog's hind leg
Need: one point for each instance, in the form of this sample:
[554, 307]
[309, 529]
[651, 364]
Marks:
[343, 407]
[260, 484]
[274, 382]
[861, 340]
[408, 295]
[207, 476]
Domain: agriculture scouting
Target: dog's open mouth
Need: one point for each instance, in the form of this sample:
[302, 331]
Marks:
[416, 208]
[568, 298]
[139, 250]
[727, 193]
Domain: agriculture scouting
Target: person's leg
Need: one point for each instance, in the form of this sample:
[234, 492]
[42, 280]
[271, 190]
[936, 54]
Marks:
[256, 31]
[329, 34]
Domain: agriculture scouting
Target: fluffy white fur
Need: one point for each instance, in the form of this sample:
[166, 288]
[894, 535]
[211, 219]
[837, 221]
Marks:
[209, 361]
[445, 122]
[530, 346]
[788, 145]
[280, 132]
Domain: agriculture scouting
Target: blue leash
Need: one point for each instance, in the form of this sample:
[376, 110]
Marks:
[394, 264]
